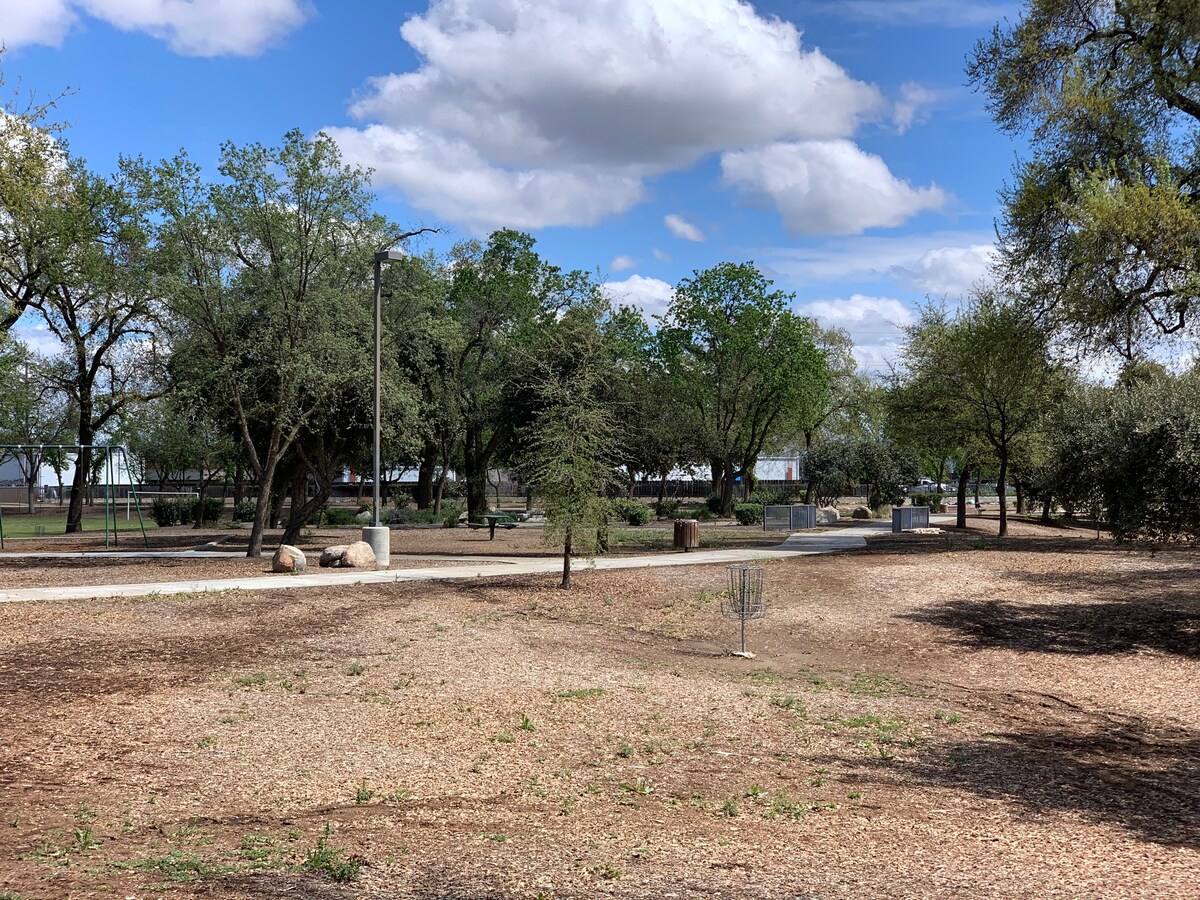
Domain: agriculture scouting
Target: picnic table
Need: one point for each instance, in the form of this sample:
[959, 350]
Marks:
[493, 519]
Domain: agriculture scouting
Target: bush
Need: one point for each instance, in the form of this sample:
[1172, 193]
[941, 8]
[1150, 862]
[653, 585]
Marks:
[770, 498]
[213, 508]
[667, 509]
[164, 511]
[713, 504]
[336, 516]
[933, 501]
[749, 513]
[245, 510]
[704, 514]
[633, 512]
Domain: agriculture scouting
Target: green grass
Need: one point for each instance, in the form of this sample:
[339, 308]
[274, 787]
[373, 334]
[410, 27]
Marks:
[581, 693]
[22, 526]
[177, 866]
[327, 861]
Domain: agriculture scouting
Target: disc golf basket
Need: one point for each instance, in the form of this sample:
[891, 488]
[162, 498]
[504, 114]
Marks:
[744, 600]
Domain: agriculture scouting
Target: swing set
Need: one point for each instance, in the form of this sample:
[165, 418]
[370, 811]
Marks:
[111, 472]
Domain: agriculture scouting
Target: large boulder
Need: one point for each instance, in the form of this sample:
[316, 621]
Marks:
[364, 518]
[828, 515]
[289, 560]
[332, 556]
[358, 555]
[861, 512]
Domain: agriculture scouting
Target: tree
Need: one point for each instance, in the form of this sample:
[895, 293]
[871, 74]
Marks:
[1102, 223]
[990, 367]
[93, 295]
[742, 362]
[32, 412]
[267, 275]
[573, 442]
[34, 179]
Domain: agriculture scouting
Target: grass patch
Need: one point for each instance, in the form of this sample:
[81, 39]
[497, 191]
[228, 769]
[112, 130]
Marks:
[327, 861]
[581, 693]
[177, 866]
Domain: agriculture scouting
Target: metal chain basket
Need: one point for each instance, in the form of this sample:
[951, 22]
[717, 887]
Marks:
[745, 599]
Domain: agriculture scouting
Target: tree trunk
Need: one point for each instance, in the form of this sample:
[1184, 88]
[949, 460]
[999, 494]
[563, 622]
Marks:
[977, 492]
[83, 467]
[1046, 510]
[566, 579]
[718, 477]
[662, 491]
[475, 463]
[1020, 488]
[263, 507]
[423, 495]
[1000, 490]
[727, 489]
[960, 516]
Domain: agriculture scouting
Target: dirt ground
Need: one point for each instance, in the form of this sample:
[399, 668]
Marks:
[936, 715]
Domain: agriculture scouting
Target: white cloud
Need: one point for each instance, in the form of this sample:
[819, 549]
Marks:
[650, 295]
[942, 263]
[874, 323]
[683, 229]
[591, 92]
[948, 271]
[662, 255]
[34, 22]
[913, 106]
[621, 263]
[449, 177]
[827, 187]
[190, 27]
[946, 13]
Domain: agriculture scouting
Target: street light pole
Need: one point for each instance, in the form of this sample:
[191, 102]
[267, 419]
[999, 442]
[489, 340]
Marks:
[379, 537]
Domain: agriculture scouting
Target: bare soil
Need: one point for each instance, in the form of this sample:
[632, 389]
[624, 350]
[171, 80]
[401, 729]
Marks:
[936, 715]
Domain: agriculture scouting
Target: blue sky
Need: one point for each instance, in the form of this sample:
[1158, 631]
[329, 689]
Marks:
[833, 142]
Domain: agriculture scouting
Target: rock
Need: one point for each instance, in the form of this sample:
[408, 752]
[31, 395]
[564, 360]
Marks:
[828, 515]
[861, 512]
[288, 559]
[358, 555]
[364, 517]
[332, 556]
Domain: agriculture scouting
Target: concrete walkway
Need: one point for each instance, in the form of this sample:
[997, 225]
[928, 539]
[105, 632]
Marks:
[805, 544]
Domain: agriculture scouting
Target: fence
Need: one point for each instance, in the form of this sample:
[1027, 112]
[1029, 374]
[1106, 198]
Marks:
[797, 517]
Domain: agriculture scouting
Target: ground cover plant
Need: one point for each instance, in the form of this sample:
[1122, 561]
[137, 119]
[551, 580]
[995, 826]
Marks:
[934, 720]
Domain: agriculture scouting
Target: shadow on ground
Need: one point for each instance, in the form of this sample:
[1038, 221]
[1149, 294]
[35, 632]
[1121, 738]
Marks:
[1155, 611]
[1149, 786]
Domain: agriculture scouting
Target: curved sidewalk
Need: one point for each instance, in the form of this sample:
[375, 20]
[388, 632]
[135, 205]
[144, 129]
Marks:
[796, 545]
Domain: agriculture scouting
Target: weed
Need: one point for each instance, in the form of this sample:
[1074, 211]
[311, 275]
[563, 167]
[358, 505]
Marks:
[226, 720]
[783, 805]
[527, 723]
[580, 693]
[84, 814]
[698, 801]
[729, 808]
[327, 861]
[625, 751]
[177, 866]
[790, 703]
[638, 786]
[257, 679]
[878, 685]
[363, 794]
[355, 669]
[205, 742]
[567, 806]
[607, 871]
[854, 795]
[503, 737]
[755, 792]
[498, 838]
[959, 754]
[83, 840]
[980, 544]
[397, 796]
[401, 683]
[950, 718]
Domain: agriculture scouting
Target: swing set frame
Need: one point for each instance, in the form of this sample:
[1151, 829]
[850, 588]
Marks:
[111, 470]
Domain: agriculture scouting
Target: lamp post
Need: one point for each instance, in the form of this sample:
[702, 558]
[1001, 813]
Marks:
[379, 537]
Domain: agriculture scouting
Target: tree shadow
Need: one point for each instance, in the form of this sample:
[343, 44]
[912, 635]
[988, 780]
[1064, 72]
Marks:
[1149, 786]
[1146, 611]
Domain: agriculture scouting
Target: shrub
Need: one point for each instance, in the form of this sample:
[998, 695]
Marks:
[337, 516]
[748, 513]
[770, 498]
[933, 501]
[633, 512]
[667, 509]
[212, 508]
[245, 510]
[164, 511]
[713, 504]
[704, 514]
[454, 489]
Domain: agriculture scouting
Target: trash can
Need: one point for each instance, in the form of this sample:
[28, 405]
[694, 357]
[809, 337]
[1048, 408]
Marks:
[687, 534]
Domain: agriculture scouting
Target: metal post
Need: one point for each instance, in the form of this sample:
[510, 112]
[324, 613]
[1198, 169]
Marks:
[378, 316]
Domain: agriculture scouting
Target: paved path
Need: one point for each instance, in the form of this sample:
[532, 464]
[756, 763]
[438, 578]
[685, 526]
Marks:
[796, 545]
